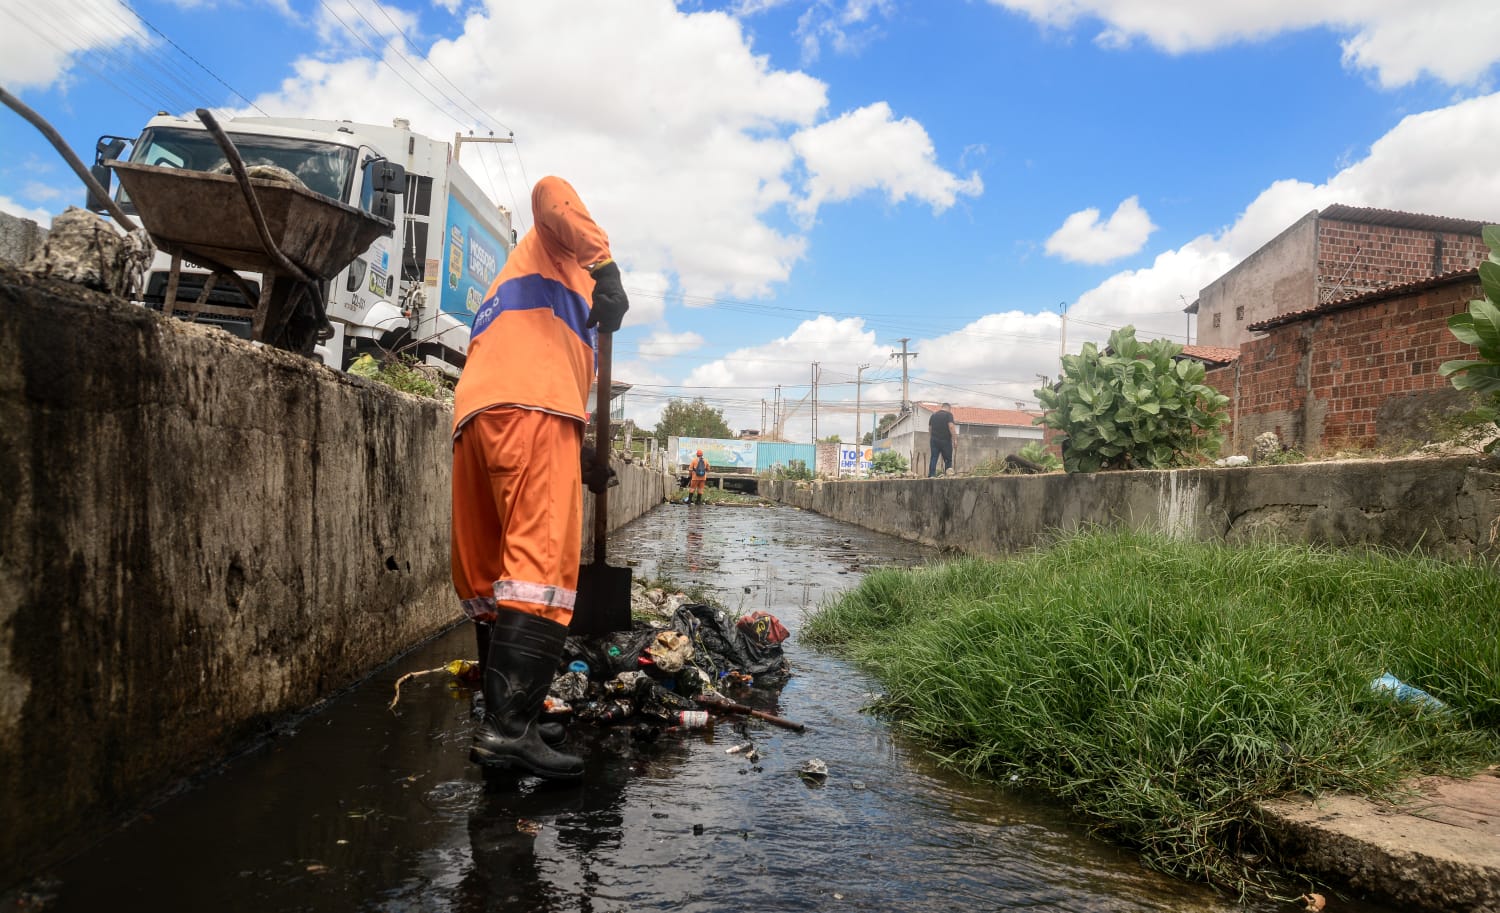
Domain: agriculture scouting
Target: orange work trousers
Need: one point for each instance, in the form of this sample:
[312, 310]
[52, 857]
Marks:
[517, 513]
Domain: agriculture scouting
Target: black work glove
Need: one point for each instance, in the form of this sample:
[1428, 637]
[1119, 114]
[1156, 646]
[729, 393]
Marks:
[597, 478]
[610, 303]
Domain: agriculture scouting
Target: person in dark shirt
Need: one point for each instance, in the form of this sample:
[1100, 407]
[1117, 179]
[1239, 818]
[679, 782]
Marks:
[941, 428]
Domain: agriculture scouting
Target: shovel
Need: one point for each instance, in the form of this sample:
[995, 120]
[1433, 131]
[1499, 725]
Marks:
[603, 605]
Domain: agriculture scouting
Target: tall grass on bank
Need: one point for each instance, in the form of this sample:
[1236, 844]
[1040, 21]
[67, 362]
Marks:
[1162, 688]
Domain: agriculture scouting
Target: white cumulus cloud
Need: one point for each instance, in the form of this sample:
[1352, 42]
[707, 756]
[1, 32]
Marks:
[870, 148]
[35, 213]
[690, 152]
[38, 46]
[1084, 239]
[666, 344]
[1396, 39]
[1436, 162]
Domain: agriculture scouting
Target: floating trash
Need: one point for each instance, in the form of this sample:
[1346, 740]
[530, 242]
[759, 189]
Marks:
[814, 771]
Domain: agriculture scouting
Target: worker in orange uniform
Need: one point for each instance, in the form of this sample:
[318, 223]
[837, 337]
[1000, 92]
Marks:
[519, 414]
[697, 476]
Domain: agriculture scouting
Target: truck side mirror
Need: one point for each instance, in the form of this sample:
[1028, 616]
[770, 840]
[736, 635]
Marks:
[387, 177]
[106, 149]
[384, 205]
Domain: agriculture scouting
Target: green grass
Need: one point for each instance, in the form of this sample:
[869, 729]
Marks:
[1162, 688]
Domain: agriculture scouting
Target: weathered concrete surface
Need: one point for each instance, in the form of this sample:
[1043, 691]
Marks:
[19, 239]
[196, 537]
[1445, 506]
[1438, 851]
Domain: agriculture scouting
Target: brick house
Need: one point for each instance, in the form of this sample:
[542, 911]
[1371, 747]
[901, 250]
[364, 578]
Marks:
[1332, 255]
[1357, 371]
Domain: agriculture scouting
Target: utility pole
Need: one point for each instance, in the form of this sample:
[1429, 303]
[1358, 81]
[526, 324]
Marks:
[459, 139]
[858, 373]
[814, 402]
[762, 429]
[1063, 350]
[904, 355]
[776, 413]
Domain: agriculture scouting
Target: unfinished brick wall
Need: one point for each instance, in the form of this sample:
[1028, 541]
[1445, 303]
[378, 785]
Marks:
[1359, 377]
[1356, 257]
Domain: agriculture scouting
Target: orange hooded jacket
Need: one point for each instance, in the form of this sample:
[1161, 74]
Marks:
[529, 346]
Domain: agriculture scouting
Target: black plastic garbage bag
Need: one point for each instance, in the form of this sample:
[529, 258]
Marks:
[719, 647]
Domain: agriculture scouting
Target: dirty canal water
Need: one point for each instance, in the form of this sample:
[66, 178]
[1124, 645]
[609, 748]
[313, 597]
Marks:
[361, 808]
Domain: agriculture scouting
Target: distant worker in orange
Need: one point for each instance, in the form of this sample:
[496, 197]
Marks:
[518, 459]
[697, 477]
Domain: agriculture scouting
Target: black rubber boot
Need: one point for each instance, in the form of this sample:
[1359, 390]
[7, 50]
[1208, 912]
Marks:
[523, 654]
[552, 733]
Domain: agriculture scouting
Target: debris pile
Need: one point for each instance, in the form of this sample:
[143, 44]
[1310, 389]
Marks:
[659, 672]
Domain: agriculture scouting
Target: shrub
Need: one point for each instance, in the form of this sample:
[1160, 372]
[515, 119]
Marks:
[1133, 406]
[1480, 327]
[888, 462]
[401, 373]
[794, 470]
[1037, 453]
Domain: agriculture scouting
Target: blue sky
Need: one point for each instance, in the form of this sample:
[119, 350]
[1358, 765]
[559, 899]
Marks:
[790, 181]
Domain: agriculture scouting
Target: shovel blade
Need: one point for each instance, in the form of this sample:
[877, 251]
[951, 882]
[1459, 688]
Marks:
[603, 605]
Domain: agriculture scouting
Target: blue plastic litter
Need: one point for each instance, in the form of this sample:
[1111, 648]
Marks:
[1401, 691]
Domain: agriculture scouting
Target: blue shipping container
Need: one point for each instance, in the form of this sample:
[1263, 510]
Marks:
[771, 453]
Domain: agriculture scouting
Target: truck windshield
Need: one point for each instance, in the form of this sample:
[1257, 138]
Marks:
[324, 167]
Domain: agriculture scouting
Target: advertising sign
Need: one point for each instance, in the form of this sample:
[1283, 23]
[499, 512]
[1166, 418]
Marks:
[736, 456]
[473, 259]
[855, 460]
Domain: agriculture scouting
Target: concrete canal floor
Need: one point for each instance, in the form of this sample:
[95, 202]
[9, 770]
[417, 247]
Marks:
[356, 807]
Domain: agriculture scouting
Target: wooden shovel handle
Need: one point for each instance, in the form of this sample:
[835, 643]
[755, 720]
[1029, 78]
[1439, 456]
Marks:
[601, 442]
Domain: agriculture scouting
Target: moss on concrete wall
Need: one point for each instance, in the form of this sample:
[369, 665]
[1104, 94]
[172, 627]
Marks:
[196, 537]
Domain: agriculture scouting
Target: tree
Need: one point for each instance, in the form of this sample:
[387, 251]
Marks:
[690, 419]
[831, 439]
[881, 427]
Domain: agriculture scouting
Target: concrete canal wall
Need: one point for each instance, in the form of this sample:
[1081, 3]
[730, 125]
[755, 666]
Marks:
[196, 537]
[1445, 506]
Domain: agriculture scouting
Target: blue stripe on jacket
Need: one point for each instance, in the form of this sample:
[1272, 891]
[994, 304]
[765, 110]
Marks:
[524, 293]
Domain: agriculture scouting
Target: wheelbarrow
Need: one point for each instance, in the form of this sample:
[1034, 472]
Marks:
[294, 238]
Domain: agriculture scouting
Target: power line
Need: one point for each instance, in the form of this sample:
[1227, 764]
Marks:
[426, 58]
[202, 66]
[381, 59]
[464, 113]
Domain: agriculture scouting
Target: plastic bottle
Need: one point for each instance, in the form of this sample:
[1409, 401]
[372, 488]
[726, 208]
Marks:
[692, 719]
[616, 711]
[1406, 693]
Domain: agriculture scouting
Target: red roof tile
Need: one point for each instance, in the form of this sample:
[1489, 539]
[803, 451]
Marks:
[1370, 297]
[1396, 219]
[1219, 355]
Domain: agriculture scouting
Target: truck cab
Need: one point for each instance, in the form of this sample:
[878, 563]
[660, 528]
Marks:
[411, 294]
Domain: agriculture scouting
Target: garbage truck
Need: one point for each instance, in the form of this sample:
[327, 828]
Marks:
[412, 293]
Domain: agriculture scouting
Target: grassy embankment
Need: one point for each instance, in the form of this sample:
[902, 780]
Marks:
[1162, 688]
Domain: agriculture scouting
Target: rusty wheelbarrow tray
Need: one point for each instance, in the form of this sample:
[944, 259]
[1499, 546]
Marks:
[293, 237]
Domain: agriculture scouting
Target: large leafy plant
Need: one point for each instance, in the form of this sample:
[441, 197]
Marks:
[1134, 406]
[1480, 328]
